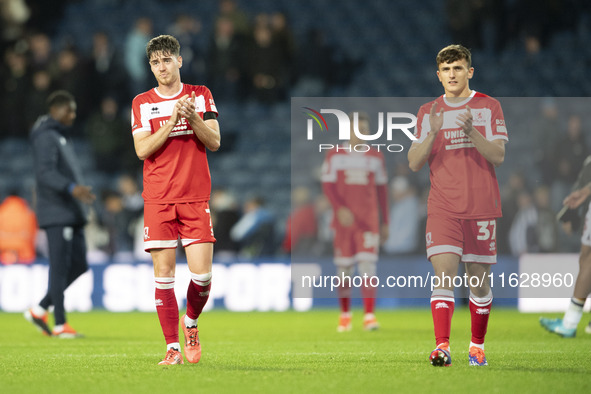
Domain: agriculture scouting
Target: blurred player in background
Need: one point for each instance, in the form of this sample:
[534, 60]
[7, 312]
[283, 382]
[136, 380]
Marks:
[580, 197]
[172, 126]
[355, 183]
[462, 135]
[60, 195]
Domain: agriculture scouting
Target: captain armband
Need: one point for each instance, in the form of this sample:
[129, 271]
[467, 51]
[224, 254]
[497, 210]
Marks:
[209, 115]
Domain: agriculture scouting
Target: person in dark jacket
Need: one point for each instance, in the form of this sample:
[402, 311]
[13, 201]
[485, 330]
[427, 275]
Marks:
[576, 205]
[61, 195]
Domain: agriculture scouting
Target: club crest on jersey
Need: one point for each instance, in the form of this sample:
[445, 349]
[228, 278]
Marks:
[479, 117]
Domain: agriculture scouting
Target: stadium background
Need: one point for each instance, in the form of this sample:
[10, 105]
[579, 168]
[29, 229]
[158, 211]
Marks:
[330, 48]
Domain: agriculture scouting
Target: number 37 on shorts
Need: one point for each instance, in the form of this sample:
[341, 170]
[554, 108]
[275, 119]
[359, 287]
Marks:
[473, 239]
[487, 229]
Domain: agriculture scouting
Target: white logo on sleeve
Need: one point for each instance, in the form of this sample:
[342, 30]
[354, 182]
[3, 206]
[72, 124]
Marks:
[68, 233]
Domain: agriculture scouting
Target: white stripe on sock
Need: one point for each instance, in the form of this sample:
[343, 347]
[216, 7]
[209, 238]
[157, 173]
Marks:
[164, 283]
[201, 279]
[481, 301]
[442, 295]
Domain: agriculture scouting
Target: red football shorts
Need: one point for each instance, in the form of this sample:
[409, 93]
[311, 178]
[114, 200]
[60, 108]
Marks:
[352, 245]
[474, 240]
[164, 224]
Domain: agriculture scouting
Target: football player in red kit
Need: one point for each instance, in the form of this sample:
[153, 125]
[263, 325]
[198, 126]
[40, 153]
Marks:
[354, 180]
[173, 125]
[462, 136]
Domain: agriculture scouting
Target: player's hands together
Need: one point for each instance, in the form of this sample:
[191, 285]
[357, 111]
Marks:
[464, 120]
[345, 217]
[176, 114]
[84, 194]
[435, 119]
[186, 106]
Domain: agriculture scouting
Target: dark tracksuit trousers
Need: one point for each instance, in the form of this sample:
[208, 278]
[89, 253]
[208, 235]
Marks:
[67, 261]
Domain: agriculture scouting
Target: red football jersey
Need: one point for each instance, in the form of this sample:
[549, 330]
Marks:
[463, 183]
[178, 171]
[358, 181]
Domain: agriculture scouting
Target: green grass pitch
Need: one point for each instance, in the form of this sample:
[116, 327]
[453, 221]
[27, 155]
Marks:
[291, 352]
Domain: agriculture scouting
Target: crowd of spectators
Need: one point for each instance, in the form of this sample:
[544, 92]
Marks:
[247, 57]
[493, 24]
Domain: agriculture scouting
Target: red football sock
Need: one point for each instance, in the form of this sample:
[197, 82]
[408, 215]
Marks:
[479, 313]
[442, 309]
[345, 298]
[167, 309]
[369, 298]
[198, 294]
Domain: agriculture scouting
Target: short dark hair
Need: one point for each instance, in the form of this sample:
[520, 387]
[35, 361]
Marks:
[164, 43]
[60, 98]
[454, 52]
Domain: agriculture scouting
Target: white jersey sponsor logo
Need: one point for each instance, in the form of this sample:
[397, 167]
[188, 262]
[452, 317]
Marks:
[182, 132]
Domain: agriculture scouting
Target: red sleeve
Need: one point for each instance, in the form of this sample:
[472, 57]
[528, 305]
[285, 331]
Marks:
[329, 179]
[499, 129]
[136, 117]
[423, 127]
[209, 103]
